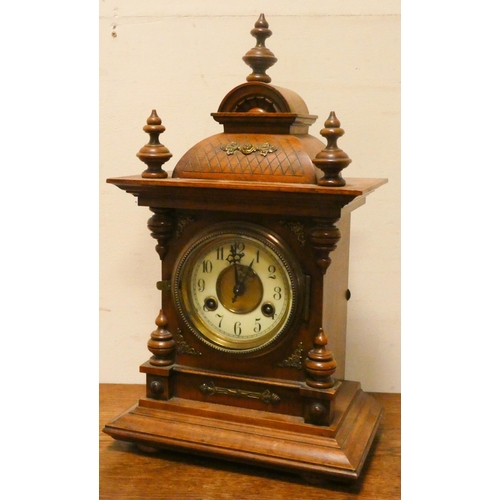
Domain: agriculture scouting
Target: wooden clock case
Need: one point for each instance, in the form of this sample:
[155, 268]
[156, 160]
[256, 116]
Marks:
[280, 406]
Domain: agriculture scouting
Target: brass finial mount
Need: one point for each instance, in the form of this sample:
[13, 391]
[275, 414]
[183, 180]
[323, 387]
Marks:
[260, 58]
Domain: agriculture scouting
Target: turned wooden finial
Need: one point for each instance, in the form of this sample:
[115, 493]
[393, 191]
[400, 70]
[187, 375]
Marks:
[154, 154]
[260, 58]
[161, 344]
[332, 160]
[320, 365]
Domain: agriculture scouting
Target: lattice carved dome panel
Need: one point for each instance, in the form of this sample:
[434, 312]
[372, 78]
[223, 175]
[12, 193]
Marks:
[248, 157]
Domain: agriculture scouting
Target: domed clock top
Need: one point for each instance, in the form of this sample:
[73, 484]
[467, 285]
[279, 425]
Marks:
[265, 134]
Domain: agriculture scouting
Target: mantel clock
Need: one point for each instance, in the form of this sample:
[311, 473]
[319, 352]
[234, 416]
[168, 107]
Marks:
[248, 352]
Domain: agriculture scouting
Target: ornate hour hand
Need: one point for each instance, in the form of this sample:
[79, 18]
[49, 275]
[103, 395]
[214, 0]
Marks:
[234, 256]
[236, 277]
[234, 259]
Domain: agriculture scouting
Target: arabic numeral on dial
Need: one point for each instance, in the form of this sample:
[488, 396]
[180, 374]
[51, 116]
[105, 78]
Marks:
[201, 285]
[237, 328]
[220, 316]
[220, 253]
[207, 266]
[277, 293]
[258, 327]
[272, 272]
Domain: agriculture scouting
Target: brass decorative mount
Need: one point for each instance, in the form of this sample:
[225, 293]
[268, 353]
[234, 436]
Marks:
[247, 148]
[267, 397]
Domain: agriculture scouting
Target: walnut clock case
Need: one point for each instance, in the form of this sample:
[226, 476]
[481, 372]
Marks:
[244, 365]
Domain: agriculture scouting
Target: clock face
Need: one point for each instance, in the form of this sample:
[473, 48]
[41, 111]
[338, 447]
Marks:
[236, 287]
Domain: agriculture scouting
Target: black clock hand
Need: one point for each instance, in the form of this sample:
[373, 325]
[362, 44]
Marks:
[249, 268]
[236, 278]
[237, 284]
[239, 288]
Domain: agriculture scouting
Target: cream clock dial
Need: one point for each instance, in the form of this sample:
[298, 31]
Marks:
[236, 287]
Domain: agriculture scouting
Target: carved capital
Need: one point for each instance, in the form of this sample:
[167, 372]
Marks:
[161, 225]
[324, 236]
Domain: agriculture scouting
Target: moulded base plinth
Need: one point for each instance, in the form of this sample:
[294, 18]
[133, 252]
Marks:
[258, 437]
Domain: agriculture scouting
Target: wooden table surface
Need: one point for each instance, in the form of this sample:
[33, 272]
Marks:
[127, 473]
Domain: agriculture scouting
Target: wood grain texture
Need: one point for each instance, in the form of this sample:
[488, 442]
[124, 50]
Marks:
[307, 200]
[128, 473]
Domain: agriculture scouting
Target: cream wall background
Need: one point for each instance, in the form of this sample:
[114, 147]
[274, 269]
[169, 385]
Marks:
[181, 58]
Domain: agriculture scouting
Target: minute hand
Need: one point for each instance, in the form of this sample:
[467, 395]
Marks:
[239, 287]
[249, 268]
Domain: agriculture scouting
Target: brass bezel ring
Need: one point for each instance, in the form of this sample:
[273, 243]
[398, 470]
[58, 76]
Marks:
[184, 267]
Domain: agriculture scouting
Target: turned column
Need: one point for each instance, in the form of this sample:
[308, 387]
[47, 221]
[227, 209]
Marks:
[162, 343]
[320, 364]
